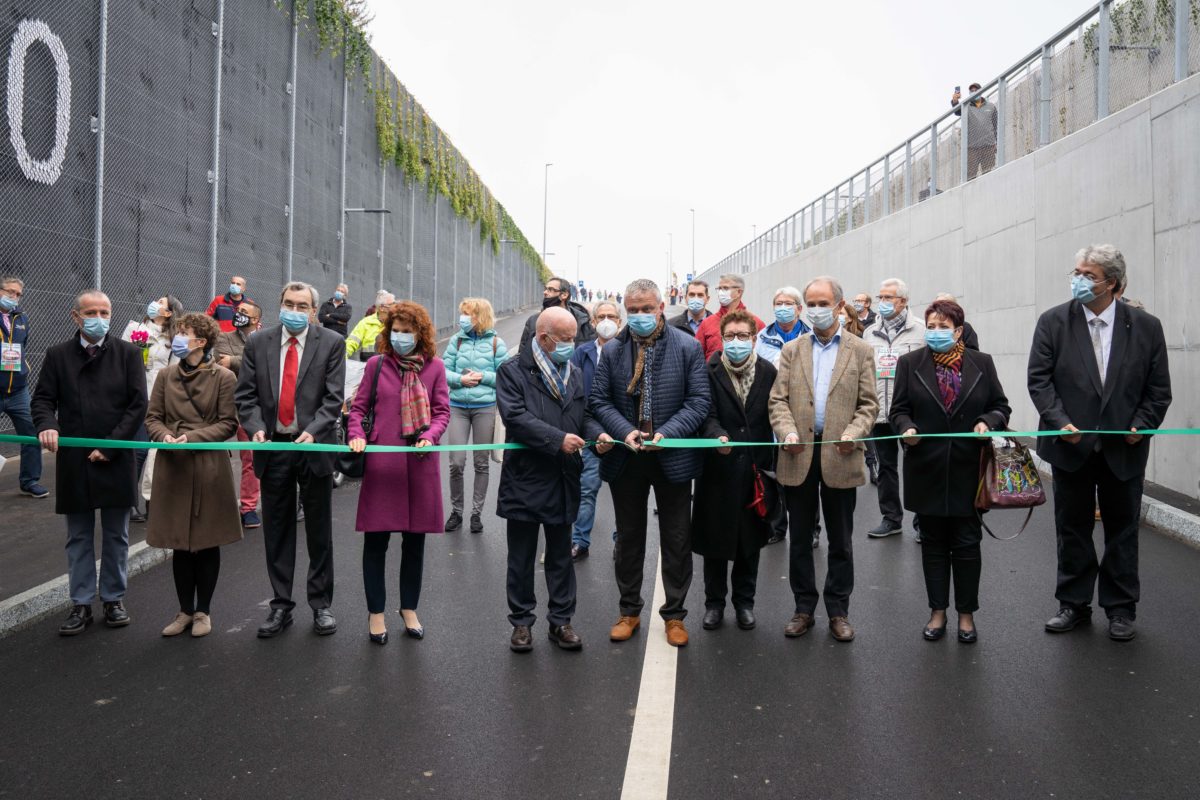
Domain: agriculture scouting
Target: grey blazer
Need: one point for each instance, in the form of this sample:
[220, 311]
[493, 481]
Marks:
[320, 386]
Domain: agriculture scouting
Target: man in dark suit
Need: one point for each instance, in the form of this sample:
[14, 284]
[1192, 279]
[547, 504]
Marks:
[93, 386]
[697, 308]
[290, 389]
[1097, 364]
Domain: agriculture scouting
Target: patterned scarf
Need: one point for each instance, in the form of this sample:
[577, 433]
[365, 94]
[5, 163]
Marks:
[645, 348]
[948, 367]
[894, 325]
[414, 400]
[554, 376]
[741, 375]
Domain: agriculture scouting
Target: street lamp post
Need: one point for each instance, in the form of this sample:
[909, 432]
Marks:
[545, 207]
[693, 242]
[578, 250]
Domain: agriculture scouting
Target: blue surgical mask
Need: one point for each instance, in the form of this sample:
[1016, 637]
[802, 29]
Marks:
[179, 346]
[403, 343]
[465, 323]
[1083, 288]
[95, 327]
[152, 310]
[339, 295]
[7, 303]
[939, 340]
[785, 313]
[695, 304]
[737, 350]
[294, 321]
[642, 324]
[887, 309]
[235, 289]
[562, 352]
[820, 318]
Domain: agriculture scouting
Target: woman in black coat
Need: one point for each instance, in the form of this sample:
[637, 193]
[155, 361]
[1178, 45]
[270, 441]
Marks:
[724, 528]
[947, 388]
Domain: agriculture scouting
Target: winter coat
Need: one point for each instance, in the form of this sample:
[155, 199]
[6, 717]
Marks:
[223, 307]
[158, 356]
[101, 397]
[364, 339]
[482, 353]
[400, 491]
[941, 476]
[335, 317]
[195, 499]
[585, 359]
[722, 525]
[15, 332]
[679, 405]
[233, 344]
[680, 321]
[770, 340]
[888, 348]
[709, 332]
[584, 332]
[539, 484]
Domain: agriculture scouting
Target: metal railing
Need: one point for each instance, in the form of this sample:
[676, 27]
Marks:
[1111, 56]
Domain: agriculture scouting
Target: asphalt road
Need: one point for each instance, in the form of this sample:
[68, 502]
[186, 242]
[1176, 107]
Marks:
[1023, 714]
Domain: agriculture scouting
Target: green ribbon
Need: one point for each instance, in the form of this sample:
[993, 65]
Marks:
[666, 444]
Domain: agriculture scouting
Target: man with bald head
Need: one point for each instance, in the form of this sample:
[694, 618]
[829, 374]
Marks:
[542, 404]
[93, 386]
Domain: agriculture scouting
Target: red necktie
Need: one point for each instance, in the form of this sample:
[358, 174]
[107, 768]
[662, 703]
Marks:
[287, 392]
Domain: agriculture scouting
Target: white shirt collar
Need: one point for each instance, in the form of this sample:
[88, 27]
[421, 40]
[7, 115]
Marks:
[1109, 315]
[85, 344]
[300, 338]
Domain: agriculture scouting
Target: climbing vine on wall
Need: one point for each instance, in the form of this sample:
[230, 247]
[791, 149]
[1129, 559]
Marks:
[1137, 22]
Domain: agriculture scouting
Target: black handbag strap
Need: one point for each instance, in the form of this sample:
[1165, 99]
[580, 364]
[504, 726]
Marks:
[368, 422]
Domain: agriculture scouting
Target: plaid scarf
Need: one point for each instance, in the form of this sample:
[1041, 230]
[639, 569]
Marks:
[645, 349]
[948, 367]
[554, 376]
[741, 375]
[414, 400]
[894, 325]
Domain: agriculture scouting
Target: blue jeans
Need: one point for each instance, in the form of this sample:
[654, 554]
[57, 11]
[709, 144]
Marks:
[114, 555]
[16, 405]
[581, 533]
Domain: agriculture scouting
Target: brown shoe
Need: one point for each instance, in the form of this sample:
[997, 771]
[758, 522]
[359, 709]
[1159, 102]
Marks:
[798, 625]
[840, 627]
[201, 624]
[676, 633]
[522, 639]
[565, 637]
[624, 628]
[178, 625]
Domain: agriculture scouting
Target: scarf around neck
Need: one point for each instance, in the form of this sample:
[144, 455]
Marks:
[741, 375]
[415, 416]
[948, 367]
[554, 376]
[644, 345]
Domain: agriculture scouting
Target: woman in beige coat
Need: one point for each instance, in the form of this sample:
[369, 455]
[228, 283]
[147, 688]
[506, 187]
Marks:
[196, 503]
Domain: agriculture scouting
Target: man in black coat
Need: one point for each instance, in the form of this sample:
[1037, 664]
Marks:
[542, 404]
[557, 294]
[1098, 364]
[697, 309]
[290, 389]
[93, 386]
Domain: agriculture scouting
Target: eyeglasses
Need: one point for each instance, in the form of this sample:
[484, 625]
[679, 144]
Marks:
[888, 298]
[613, 317]
[12, 292]
[741, 337]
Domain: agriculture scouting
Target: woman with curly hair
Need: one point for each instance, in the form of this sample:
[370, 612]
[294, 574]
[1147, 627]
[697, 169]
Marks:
[400, 491]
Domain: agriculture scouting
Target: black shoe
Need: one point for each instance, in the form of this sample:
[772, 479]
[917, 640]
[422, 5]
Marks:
[77, 621]
[712, 618]
[885, 528]
[378, 638]
[565, 637]
[476, 524]
[1120, 629]
[277, 620]
[136, 516]
[323, 622]
[1067, 618]
[934, 634]
[579, 553]
[522, 639]
[454, 523]
[745, 618]
[115, 615]
[415, 633]
[968, 637]
[776, 538]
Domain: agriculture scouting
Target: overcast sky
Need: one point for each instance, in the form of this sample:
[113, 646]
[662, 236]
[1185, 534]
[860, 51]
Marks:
[742, 111]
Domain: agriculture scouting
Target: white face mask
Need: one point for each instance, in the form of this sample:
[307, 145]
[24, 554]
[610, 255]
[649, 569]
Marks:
[607, 328]
[724, 297]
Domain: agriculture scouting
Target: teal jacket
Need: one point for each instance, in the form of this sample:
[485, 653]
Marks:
[483, 353]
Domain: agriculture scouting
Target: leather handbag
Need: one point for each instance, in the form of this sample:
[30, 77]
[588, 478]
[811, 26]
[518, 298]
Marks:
[353, 465]
[1008, 478]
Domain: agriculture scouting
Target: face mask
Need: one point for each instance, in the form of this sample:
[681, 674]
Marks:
[785, 314]
[179, 346]
[1083, 289]
[607, 328]
[152, 310]
[95, 327]
[551, 301]
[724, 297]
[240, 320]
[403, 343]
[820, 318]
[695, 305]
[7, 303]
[887, 309]
[939, 340]
[858, 307]
[294, 321]
[643, 324]
[562, 352]
[339, 296]
[842, 320]
[465, 323]
[235, 289]
[737, 350]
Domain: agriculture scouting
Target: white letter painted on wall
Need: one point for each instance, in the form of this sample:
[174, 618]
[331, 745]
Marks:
[28, 32]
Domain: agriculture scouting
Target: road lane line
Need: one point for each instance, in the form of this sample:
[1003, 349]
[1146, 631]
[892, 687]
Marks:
[648, 768]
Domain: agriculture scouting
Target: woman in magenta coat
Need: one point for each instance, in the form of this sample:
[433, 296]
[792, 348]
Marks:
[400, 491]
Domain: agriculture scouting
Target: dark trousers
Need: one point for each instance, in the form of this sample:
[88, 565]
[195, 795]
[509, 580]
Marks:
[631, 493]
[838, 507]
[196, 578]
[1075, 498]
[887, 453]
[279, 481]
[374, 563]
[560, 573]
[950, 548]
[777, 517]
[716, 581]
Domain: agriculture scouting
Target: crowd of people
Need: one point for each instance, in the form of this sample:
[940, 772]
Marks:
[792, 416]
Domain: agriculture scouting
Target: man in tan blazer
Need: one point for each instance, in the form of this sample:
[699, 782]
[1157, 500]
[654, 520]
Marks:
[824, 393]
